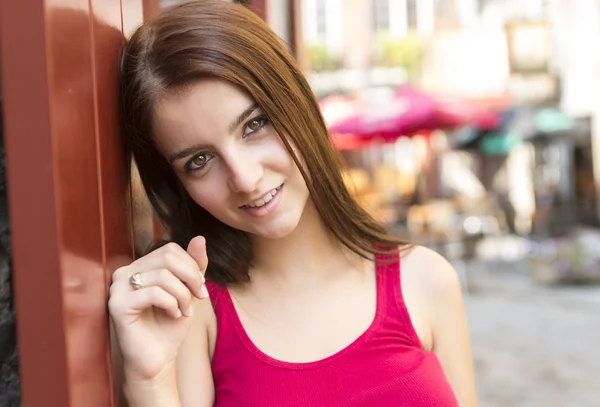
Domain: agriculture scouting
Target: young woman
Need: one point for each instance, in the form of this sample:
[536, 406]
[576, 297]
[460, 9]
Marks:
[306, 301]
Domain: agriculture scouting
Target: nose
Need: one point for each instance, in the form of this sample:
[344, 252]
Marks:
[245, 172]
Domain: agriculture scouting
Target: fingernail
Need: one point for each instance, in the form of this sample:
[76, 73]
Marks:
[203, 292]
[178, 314]
[189, 312]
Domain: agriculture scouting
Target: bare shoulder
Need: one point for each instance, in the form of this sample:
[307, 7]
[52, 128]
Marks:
[433, 295]
[429, 285]
[428, 272]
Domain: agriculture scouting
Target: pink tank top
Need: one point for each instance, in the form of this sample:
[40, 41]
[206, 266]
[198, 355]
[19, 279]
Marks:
[385, 366]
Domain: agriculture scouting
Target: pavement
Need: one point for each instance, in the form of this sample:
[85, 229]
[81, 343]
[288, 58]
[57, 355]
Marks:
[532, 345]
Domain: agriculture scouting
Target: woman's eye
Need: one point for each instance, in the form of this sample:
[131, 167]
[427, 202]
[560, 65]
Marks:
[255, 125]
[198, 162]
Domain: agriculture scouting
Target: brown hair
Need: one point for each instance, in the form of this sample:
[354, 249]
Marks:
[218, 39]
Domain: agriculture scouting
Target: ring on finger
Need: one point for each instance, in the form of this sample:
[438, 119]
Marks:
[136, 281]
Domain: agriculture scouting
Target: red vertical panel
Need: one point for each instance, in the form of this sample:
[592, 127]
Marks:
[33, 205]
[67, 191]
[73, 125]
[293, 6]
[296, 35]
[107, 40]
[150, 8]
[259, 7]
[113, 167]
[295, 30]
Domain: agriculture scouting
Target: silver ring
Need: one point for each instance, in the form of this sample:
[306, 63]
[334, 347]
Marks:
[136, 281]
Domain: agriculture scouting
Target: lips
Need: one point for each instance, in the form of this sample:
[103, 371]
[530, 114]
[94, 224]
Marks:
[263, 199]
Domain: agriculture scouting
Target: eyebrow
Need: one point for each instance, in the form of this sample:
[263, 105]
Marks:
[186, 152]
[234, 125]
[242, 117]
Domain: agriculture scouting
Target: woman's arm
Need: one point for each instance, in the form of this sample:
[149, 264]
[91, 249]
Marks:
[190, 383]
[140, 394]
[437, 282]
[160, 312]
[194, 374]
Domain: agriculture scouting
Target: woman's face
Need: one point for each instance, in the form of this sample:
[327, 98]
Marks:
[230, 159]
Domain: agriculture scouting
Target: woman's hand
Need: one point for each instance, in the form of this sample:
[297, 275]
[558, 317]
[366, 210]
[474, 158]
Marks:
[152, 318]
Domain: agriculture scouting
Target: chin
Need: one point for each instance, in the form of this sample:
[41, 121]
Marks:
[275, 231]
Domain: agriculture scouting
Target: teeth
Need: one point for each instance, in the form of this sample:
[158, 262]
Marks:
[260, 202]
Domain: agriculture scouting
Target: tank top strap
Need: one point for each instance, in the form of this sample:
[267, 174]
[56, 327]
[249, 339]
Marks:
[389, 295]
[388, 271]
[217, 294]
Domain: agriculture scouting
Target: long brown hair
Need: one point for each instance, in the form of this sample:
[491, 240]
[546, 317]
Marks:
[218, 39]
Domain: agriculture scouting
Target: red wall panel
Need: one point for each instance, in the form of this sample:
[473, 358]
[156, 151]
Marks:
[68, 197]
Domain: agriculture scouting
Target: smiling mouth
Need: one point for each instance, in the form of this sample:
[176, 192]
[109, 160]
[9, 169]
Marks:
[265, 199]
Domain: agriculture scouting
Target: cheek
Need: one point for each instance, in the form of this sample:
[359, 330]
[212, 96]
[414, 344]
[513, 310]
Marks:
[285, 153]
[301, 161]
[204, 194]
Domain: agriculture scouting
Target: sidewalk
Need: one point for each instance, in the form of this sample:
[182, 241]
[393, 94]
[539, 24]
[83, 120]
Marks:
[532, 345]
[512, 279]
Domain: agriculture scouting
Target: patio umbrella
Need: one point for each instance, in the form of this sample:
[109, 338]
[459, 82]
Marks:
[406, 111]
[389, 116]
[457, 113]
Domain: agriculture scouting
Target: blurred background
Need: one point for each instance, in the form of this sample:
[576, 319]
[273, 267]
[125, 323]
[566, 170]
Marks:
[471, 127]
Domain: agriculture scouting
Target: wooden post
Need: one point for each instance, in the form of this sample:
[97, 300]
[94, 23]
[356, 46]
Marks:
[68, 196]
[259, 7]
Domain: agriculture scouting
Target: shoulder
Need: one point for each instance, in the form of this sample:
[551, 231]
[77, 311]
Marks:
[430, 289]
[433, 287]
[428, 272]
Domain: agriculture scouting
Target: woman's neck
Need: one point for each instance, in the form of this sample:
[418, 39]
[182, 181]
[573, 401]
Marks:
[308, 253]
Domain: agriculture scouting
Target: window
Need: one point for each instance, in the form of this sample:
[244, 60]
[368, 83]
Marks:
[381, 14]
[321, 18]
[322, 24]
[411, 13]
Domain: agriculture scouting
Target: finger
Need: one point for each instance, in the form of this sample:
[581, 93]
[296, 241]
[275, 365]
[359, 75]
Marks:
[166, 280]
[180, 251]
[168, 252]
[154, 296]
[197, 250]
[176, 260]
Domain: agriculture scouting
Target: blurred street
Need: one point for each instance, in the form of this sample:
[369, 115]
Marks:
[532, 345]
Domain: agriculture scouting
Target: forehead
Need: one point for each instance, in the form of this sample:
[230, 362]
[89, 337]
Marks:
[206, 107]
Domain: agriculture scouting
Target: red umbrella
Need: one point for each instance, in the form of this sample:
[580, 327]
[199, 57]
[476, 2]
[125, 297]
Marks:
[458, 113]
[389, 117]
[403, 113]
[337, 108]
